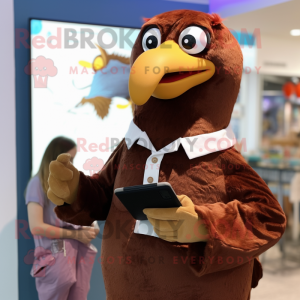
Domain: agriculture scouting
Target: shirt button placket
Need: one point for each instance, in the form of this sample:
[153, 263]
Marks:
[151, 174]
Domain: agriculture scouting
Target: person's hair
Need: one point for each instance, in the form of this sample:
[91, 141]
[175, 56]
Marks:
[56, 147]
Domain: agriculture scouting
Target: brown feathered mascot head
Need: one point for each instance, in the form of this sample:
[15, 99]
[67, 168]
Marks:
[185, 76]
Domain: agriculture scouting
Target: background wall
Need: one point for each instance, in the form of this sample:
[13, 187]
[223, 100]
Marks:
[127, 13]
[234, 7]
[276, 52]
[8, 199]
[285, 61]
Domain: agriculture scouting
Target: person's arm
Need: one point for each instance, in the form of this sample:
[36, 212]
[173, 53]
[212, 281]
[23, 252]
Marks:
[38, 227]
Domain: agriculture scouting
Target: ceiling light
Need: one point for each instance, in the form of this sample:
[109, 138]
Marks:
[295, 32]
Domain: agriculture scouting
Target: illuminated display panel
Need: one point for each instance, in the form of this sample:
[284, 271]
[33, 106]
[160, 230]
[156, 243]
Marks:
[79, 88]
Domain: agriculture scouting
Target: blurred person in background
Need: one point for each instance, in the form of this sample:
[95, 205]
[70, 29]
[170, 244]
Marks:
[63, 255]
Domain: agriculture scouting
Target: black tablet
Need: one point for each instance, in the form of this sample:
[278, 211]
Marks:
[138, 197]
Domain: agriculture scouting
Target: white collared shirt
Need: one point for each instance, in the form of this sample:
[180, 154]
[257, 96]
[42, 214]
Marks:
[195, 146]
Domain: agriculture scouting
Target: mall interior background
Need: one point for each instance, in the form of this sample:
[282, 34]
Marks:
[266, 116]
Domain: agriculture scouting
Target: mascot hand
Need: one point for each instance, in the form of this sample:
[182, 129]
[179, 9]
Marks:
[63, 180]
[180, 224]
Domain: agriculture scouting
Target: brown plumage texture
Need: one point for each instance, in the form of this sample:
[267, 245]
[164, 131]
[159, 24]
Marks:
[241, 214]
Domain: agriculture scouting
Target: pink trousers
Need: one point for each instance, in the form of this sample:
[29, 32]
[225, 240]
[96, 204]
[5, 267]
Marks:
[64, 275]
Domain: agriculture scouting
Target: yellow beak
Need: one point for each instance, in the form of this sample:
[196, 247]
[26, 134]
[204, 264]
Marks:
[183, 72]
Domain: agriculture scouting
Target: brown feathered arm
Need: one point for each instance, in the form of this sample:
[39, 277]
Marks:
[246, 224]
[94, 194]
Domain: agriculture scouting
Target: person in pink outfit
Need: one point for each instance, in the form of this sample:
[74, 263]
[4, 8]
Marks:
[64, 255]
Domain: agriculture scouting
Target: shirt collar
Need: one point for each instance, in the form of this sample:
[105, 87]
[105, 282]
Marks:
[194, 146]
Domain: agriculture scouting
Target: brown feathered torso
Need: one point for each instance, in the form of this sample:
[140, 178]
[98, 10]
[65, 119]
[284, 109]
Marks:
[149, 268]
[143, 267]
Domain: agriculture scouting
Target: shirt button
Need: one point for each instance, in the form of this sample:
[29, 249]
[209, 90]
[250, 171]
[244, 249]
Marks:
[154, 160]
[150, 179]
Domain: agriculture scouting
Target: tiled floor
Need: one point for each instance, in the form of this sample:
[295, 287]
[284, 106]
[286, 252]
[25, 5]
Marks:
[280, 286]
[281, 279]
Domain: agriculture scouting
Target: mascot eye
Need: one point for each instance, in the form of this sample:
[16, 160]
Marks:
[151, 39]
[194, 39]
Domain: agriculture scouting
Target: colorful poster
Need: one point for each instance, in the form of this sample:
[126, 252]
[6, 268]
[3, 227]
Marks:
[79, 88]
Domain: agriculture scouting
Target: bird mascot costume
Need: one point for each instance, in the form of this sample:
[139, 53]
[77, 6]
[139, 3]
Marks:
[186, 70]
